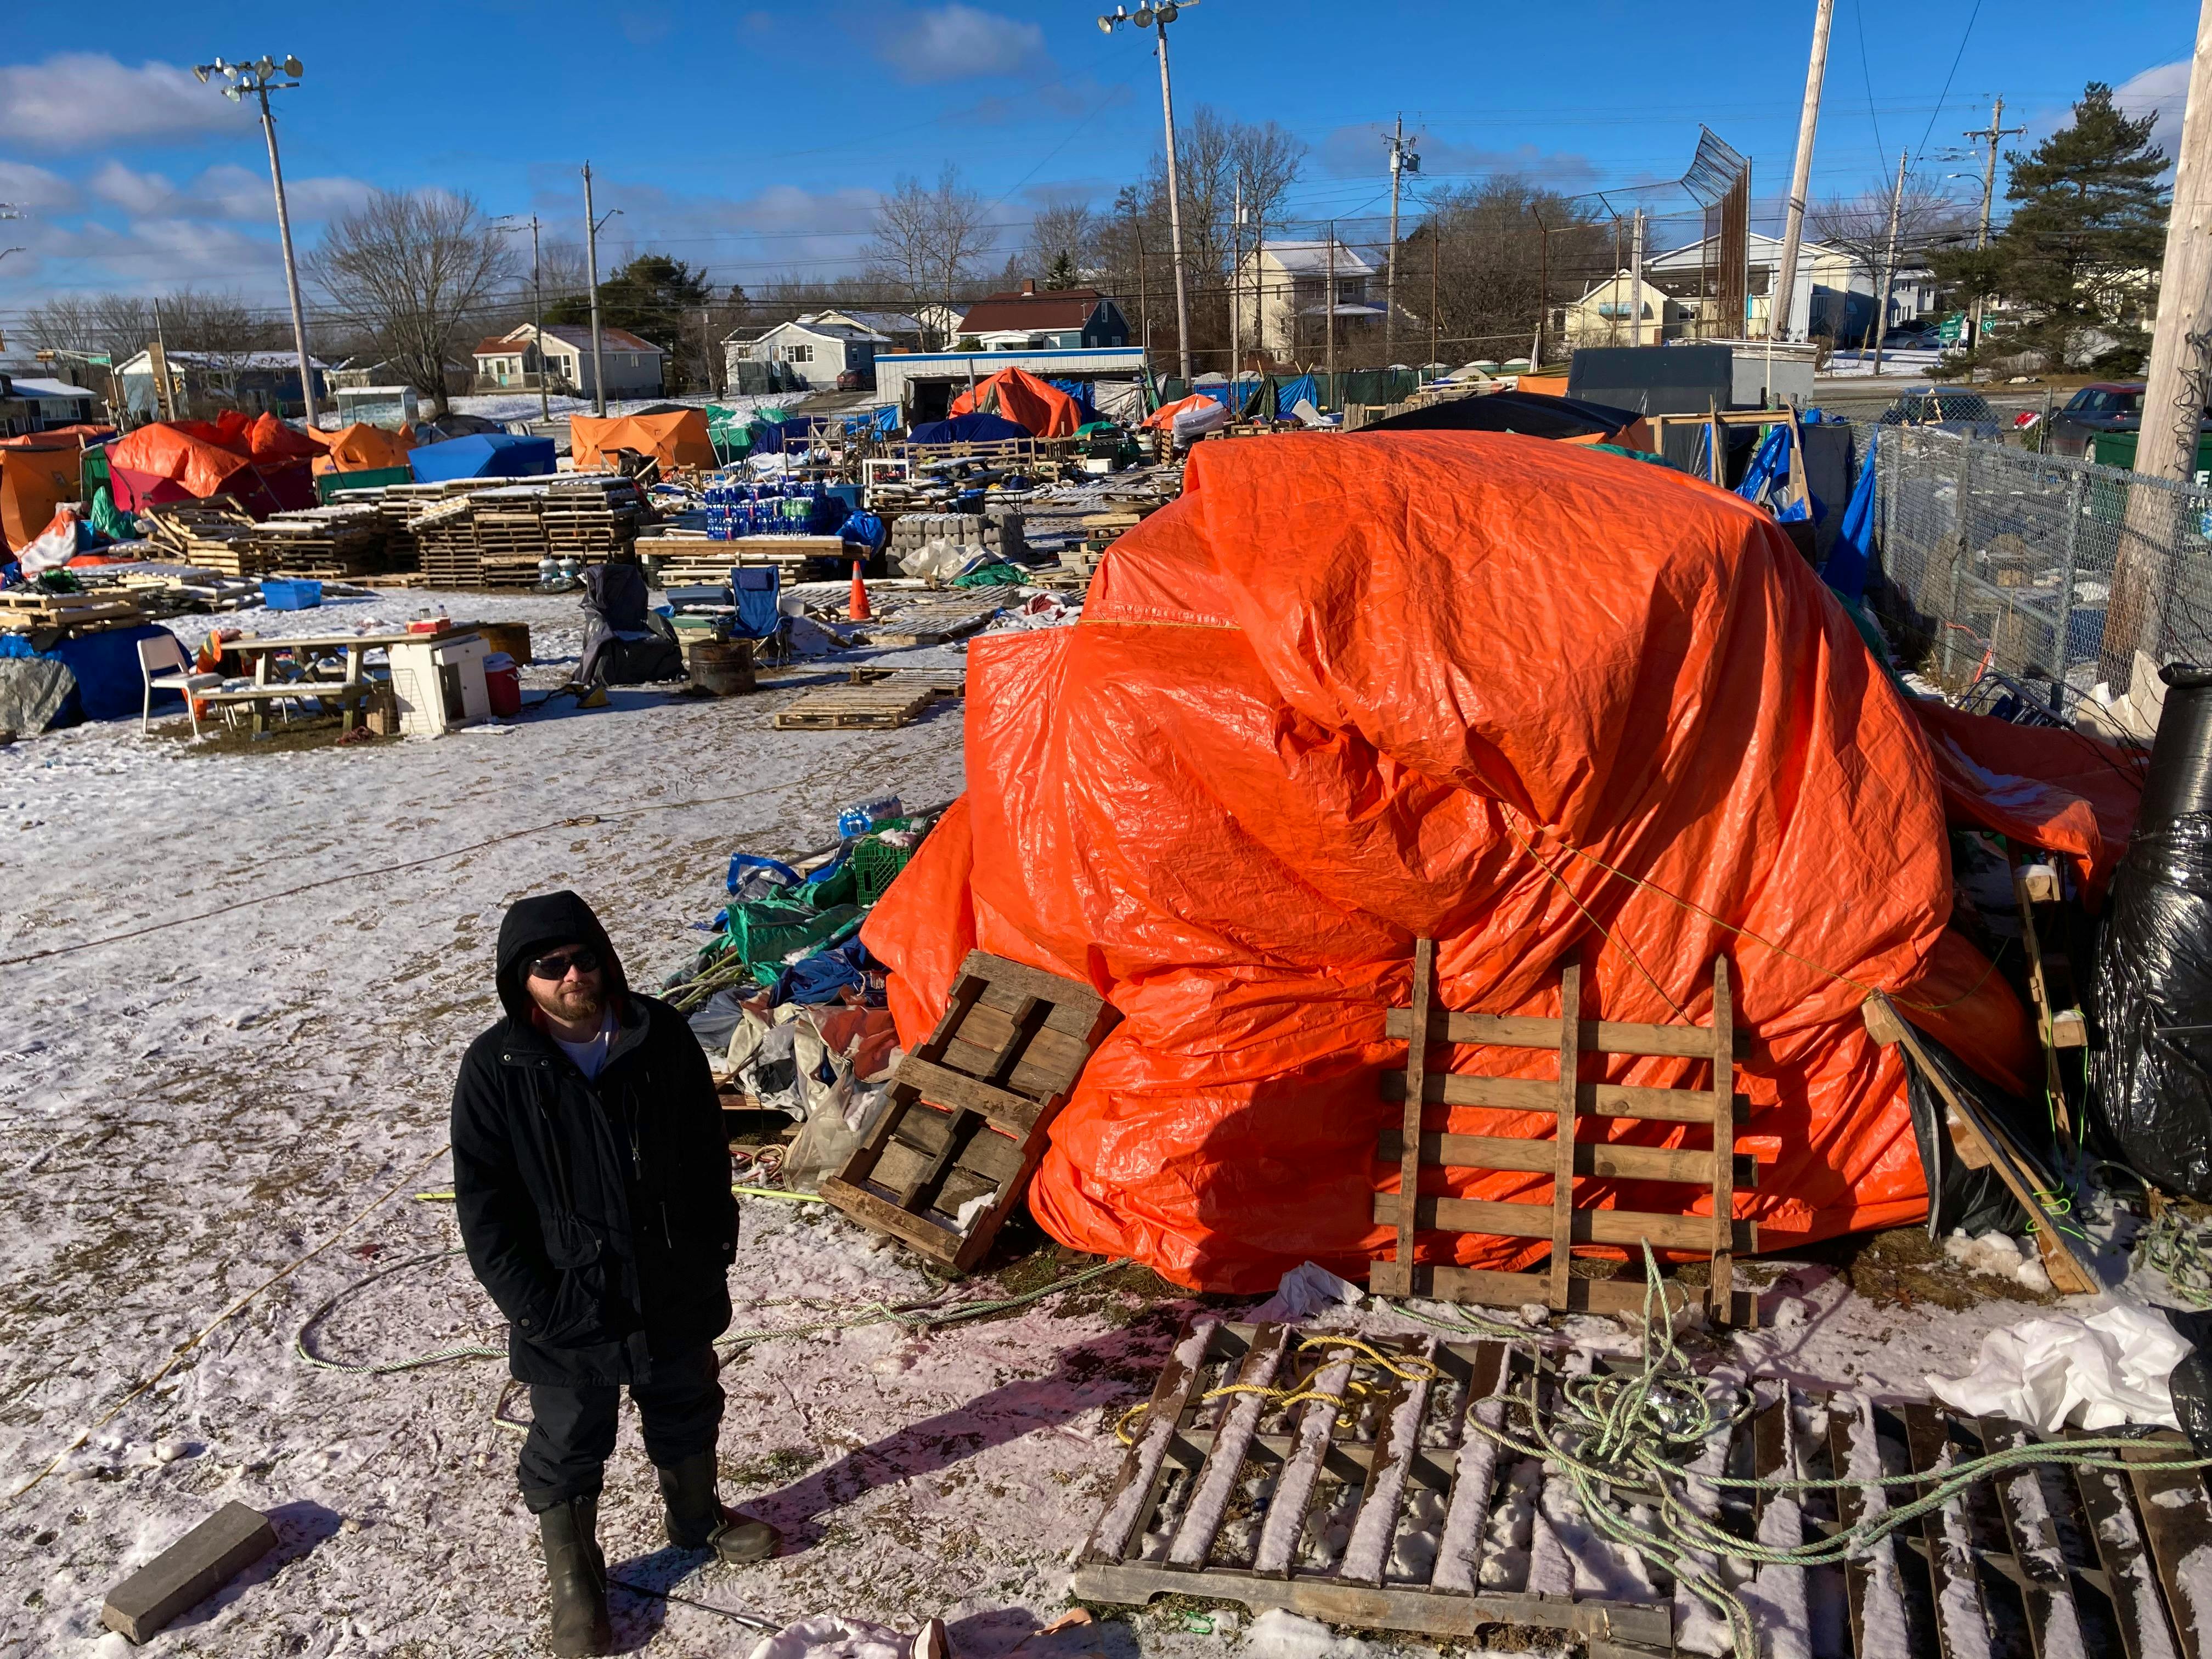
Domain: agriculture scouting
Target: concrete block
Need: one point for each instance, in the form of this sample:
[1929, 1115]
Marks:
[189, 1571]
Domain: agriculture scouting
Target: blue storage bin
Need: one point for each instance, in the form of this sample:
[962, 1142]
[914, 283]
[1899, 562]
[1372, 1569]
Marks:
[291, 595]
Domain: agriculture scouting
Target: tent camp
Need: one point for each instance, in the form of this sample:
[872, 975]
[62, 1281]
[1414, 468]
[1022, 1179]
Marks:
[165, 461]
[1018, 395]
[1234, 798]
[1162, 419]
[362, 448]
[486, 455]
[968, 429]
[676, 438]
[39, 471]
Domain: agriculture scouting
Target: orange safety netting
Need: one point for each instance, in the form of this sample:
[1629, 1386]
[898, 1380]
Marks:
[1541, 704]
[186, 453]
[674, 440]
[1016, 395]
[1163, 417]
[361, 447]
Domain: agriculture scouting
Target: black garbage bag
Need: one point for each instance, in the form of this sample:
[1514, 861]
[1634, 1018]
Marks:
[1977, 1200]
[2150, 990]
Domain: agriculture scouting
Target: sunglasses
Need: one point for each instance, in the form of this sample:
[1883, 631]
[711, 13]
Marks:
[584, 961]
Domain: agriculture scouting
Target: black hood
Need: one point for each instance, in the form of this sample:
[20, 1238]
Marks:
[549, 919]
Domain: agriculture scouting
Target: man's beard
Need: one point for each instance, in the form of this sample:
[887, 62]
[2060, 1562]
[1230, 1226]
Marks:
[577, 1006]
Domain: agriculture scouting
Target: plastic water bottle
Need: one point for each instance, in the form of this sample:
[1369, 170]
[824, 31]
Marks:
[863, 815]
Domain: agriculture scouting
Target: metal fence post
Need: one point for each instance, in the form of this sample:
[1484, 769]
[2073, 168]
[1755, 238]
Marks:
[2064, 643]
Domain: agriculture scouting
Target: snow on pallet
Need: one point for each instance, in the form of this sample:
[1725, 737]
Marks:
[1394, 1511]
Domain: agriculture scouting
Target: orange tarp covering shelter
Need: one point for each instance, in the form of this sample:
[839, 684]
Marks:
[362, 448]
[269, 439]
[1163, 417]
[678, 439]
[1337, 697]
[186, 453]
[1017, 395]
[37, 472]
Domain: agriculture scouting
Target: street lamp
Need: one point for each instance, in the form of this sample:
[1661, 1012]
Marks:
[1157, 18]
[259, 78]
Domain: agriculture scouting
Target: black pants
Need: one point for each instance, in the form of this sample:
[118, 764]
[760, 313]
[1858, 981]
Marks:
[572, 1431]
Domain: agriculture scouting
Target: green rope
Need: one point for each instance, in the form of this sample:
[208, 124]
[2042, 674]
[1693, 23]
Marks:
[2176, 1248]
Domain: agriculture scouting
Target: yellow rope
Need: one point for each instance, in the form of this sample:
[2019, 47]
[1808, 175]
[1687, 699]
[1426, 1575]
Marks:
[1407, 1369]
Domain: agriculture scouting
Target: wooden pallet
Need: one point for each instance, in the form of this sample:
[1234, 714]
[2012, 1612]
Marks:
[1414, 1147]
[970, 1108]
[36, 612]
[940, 620]
[2079, 1560]
[937, 682]
[2059, 1021]
[856, 707]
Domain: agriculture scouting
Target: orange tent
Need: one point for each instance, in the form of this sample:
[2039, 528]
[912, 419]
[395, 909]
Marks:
[362, 448]
[1163, 417]
[1017, 395]
[678, 439]
[186, 455]
[38, 473]
[1232, 797]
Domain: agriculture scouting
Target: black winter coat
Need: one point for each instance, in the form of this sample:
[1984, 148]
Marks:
[597, 1213]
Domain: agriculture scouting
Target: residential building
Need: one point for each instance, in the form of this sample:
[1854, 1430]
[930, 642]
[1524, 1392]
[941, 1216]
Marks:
[940, 324]
[1835, 298]
[515, 361]
[1606, 315]
[37, 401]
[810, 351]
[359, 371]
[203, 383]
[1043, 319]
[1285, 301]
[899, 330]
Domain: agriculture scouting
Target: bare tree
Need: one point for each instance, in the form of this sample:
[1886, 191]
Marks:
[412, 269]
[928, 240]
[1858, 226]
[1498, 256]
[1061, 247]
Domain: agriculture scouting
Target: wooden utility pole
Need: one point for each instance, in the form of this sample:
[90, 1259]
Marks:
[1436, 252]
[591, 262]
[1328, 304]
[1543, 287]
[1996, 133]
[1888, 265]
[1782, 304]
[1636, 281]
[2175, 396]
[1236, 294]
[1390, 283]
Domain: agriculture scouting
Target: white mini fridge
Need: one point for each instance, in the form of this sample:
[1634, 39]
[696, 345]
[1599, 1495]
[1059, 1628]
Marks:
[439, 683]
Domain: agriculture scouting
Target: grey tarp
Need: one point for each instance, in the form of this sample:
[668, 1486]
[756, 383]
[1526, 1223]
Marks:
[37, 693]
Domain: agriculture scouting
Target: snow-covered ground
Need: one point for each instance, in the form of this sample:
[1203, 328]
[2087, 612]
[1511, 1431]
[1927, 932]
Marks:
[186, 1113]
[1902, 364]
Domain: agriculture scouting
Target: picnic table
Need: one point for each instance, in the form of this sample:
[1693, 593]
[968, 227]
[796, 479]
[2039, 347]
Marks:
[329, 667]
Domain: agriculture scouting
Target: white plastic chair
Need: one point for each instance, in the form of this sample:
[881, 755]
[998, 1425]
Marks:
[166, 650]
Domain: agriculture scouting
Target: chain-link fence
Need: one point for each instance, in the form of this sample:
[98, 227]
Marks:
[2055, 571]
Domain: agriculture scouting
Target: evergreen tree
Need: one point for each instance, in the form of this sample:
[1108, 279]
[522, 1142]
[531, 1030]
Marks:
[653, 296]
[2086, 237]
[1061, 272]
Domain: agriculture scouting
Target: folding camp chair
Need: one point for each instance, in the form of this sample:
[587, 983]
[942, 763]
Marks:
[758, 590]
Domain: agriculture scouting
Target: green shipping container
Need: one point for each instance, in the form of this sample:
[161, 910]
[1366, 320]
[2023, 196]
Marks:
[374, 477]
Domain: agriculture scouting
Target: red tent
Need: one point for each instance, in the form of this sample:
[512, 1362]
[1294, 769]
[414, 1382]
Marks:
[260, 464]
[1018, 396]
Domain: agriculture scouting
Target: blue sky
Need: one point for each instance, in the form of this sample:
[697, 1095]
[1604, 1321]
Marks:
[756, 140]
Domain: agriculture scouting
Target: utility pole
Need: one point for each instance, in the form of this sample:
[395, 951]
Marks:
[1236, 294]
[259, 78]
[1888, 265]
[1436, 249]
[1543, 286]
[592, 275]
[1996, 133]
[1782, 304]
[2174, 397]
[537, 290]
[1328, 306]
[1636, 281]
[1401, 163]
[1175, 212]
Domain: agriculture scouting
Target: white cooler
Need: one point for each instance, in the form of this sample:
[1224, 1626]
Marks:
[439, 683]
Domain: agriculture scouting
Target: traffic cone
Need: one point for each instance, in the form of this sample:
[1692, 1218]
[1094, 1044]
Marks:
[859, 610]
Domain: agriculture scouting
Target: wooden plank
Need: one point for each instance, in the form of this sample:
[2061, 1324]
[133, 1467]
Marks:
[1277, 1553]
[941, 1086]
[1518, 1094]
[1563, 1137]
[990, 1155]
[937, 1243]
[1629, 1227]
[1851, 1504]
[2177, 1523]
[1225, 1454]
[1607, 1159]
[1952, 1584]
[1487, 1288]
[1535, 1032]
[1718, 1286]
[1022, 980]
[1397, 1439]
[2138, 1609]
[1136, 1491]
[1397, 1275]
[2046, 1591]
[187, 1572]
[1474, 1471]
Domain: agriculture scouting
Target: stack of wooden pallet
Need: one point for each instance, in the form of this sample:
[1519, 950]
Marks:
[1102, 530]
[510, 528]
[323, 542]
[446, 544]
[942, 617]
[881, 706]
[216, 534]
[405, 506]
[49, 616]
[690, 559]
[590, 515]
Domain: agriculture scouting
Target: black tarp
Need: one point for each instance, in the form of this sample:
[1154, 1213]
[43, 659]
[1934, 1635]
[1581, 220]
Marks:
[1526, 412]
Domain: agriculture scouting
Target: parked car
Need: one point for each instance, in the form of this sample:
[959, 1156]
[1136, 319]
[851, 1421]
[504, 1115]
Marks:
[2108, 406]
[1965, 413]
[855, 379]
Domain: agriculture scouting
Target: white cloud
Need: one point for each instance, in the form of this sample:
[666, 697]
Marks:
[27, 186]
[2163, 90]
[959, 43]
[79, 99]
[224, 192]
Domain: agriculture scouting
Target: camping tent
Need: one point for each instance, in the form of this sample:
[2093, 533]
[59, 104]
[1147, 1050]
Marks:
[1234, 797]
[362, 448]
[165, 461]
[486, 455]
[676, 438]
[1018, 395]
[37, 472]
[966, 430]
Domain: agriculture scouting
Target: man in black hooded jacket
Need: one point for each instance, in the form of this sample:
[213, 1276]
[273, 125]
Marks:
[592, 1175]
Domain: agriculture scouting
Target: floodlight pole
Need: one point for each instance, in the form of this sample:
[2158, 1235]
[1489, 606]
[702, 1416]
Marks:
[259, 78]
[1175, 211]
[592, 275]
[537, 291]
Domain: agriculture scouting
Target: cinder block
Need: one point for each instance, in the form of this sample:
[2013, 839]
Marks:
[189, 1571]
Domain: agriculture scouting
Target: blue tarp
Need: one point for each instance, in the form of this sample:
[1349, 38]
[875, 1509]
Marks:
[883, 420]
[482, 455]
[968, 429]
[1851, 556]
[1288, 394]
[110, 683]
[1085, 396]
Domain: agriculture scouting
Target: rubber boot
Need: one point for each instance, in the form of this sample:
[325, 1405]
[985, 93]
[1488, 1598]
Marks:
[697, 1521]
[576, 1577]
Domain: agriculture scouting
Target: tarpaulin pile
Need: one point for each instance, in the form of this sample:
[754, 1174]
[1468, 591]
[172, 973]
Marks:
[259, 461]
[674, 438]
[1541, 704]
[1014, 394]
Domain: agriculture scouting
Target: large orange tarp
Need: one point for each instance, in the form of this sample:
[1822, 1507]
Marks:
[1017, 395]
[1539, 703]
[187, 454]
[361, 447]
[1162, 418]
[38, 473]
[675, 439]
[269, 439]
